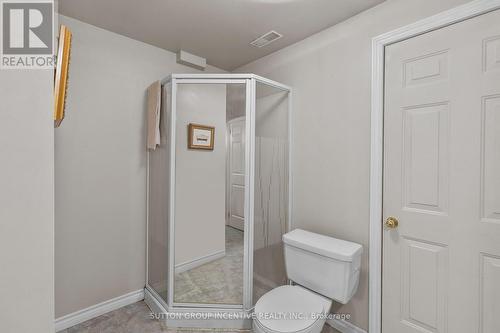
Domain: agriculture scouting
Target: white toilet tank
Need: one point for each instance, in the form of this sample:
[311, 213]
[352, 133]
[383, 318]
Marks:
[323, 264]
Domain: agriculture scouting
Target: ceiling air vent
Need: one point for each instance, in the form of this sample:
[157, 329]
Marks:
[266, 39]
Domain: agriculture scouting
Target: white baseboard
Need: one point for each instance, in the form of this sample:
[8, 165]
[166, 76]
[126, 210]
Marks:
[93, 311]
[186, 266]
[153, 303]
[239, 321]
[344, 326]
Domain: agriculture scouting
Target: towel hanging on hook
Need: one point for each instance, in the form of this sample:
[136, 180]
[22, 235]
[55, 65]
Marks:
[153, 113]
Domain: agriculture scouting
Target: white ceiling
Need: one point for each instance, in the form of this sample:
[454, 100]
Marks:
[218, 30]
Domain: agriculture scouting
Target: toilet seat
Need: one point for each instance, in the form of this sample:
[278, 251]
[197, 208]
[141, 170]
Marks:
[273, 311]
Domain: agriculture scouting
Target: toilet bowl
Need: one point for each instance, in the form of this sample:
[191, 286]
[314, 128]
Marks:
[323, 269]
[291, 309]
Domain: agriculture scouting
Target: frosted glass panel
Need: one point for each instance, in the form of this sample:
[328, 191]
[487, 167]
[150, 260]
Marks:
[271, 188]
[158, 205]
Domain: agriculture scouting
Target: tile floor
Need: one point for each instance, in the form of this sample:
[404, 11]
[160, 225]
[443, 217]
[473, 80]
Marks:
[135, 318]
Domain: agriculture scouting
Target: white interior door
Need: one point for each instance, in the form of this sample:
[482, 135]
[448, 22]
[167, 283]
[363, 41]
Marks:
[441, 266]
[236, 188]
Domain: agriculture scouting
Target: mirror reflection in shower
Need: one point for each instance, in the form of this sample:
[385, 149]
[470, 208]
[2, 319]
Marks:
[210, 195]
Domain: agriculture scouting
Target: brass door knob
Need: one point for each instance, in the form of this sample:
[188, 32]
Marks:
[391, 222]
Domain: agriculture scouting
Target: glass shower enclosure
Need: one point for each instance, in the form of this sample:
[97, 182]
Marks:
[219, 198]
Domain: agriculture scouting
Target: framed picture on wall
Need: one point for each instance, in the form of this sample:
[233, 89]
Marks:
[61, 74]
[201, 137]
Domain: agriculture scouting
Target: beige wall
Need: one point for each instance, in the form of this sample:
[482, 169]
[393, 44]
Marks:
[101, 167]
[200, 182]
[26, 201]
[330, 74]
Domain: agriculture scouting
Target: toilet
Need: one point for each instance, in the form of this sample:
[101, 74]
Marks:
[323, 269]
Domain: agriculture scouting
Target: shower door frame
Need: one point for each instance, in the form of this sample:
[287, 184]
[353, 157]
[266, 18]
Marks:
[170, 306]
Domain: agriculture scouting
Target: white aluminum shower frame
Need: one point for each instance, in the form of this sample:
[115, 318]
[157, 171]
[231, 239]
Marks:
[156, 303]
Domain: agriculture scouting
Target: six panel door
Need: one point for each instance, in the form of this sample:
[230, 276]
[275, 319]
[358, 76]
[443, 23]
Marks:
[441, 266]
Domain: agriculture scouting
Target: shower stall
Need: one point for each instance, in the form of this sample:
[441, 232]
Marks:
[219, 198]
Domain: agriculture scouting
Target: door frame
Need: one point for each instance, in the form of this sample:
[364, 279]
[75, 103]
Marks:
[435, 22]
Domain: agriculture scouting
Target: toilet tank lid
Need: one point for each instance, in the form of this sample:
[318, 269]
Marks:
[324, 245]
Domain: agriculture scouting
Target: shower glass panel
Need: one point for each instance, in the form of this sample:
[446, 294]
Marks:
[271, 187]
[209, 193]
[218, 197]
[159, 166]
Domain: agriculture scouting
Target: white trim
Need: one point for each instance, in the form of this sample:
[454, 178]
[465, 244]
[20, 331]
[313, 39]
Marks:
[291, 223]
[441, 20]
[175, 318]
[344, 326]
[250, 191]
[147, 215]
[171, 196]
[222, 76]
[225, 76]
[97, 310]
[152, 302]
[190, 264]
[271, 83]
[247, 210]
[209, 81]
[153, 293]
[206, 307]
[238, 320]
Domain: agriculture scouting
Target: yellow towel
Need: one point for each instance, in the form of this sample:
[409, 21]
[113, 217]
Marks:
[154, 104]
